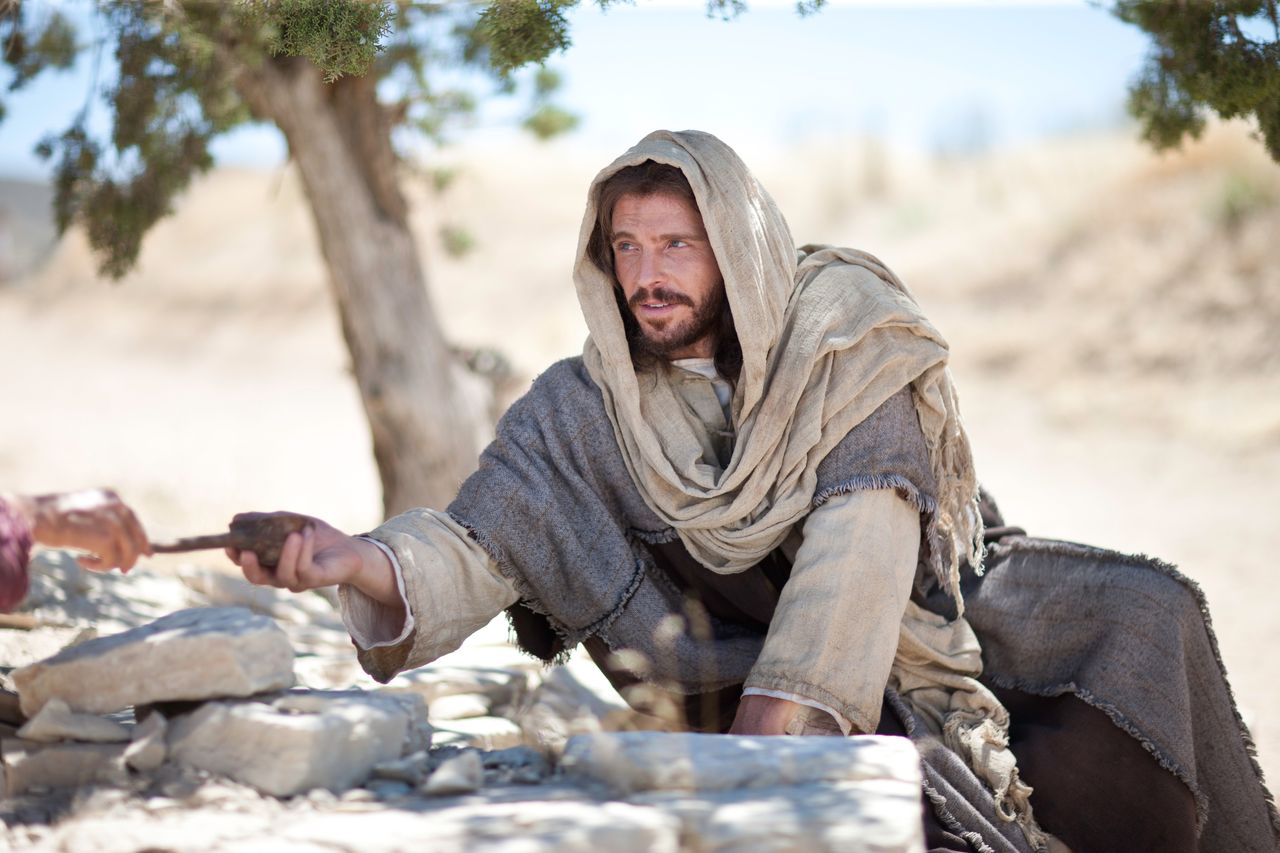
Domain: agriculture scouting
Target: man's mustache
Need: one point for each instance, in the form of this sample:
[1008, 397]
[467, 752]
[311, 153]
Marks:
[658, 294]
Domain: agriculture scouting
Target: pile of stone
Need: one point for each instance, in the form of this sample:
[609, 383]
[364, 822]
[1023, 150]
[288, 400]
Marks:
[247, 725]
[208, 688]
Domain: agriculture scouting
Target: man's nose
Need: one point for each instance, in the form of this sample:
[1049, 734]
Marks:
[652, 269]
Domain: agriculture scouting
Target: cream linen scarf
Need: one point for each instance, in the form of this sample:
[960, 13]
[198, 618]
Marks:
[825, 341]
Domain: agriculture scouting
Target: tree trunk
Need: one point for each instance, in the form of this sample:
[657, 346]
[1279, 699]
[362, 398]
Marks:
[425, 432]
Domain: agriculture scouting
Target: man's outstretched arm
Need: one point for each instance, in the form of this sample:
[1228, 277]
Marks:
[419, 569]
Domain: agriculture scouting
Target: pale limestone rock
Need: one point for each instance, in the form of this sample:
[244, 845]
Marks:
[460, 706]
[389, 789]
[481, 671]
[538, 826]
[59, 765]
[295, 743]
[22, 647]
[223, 589]
[630, 762]
[517, 765]
[520, 827]
[577, 699]
[461, 774]
[191, 654]
[148, 750]
[63, 593]
[411, 769]
[55, 722]
[421, 732]
[480, 732]
[340, 671]
[868, 816]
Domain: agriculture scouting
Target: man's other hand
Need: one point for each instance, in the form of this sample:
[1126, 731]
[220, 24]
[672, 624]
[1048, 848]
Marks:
[763, 715]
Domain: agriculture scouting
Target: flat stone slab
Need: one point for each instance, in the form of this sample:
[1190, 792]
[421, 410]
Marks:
[535, 826]
[55, 722]
[460, 706]
[192, 654]
[297, 742]
[28, 764]
[461, 774]
[480, 732]
[631, 762]
[870, 816]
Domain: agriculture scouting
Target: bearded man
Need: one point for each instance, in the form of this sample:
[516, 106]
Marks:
[752, 498]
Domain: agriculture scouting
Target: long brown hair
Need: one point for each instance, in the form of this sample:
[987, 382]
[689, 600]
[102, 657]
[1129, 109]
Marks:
[646, 179]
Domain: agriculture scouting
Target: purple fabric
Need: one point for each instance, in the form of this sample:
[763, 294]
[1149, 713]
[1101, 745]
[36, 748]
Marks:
[15, 549]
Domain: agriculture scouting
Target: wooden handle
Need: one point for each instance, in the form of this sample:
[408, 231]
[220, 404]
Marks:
[264, 535]
[193, 543]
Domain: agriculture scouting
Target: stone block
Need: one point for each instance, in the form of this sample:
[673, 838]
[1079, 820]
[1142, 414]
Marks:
[480, 732]
[517, 765]
[412, 769]
[55, 722]
[192, 654]
[503, 683]
[300, 741]
[631, 762]
[870, 816]
[461, 774]
[576, 699]
[148, 749]
[460, 706]
[28, 764]
[20, 648]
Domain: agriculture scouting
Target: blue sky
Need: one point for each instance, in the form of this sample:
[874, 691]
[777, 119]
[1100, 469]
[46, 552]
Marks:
[940, 75]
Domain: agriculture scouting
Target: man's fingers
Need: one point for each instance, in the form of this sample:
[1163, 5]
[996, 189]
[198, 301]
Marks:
[287, 566]
[306, 555]
[253, 572]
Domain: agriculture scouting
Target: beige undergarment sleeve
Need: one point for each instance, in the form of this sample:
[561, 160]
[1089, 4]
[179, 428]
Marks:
[450, 586]
[835, 631]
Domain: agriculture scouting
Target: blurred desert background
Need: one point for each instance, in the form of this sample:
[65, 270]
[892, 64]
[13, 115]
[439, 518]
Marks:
[1114, 316]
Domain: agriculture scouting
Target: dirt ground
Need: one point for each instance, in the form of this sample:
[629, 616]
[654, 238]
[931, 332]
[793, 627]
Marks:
[1115, 319]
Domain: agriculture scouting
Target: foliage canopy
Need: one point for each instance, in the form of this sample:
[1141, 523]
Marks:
[1220, 55]
[174, 92]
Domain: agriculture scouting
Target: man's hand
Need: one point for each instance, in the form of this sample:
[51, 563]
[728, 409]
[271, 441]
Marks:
[94, 520]
[763, 715]
[322, 555]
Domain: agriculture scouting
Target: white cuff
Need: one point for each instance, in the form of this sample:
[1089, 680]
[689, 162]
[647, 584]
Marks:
[845, 726]
[371, 623]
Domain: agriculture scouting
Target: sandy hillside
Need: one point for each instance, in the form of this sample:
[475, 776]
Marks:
[1115, 318]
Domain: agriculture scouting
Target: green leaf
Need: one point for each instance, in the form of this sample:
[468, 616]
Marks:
[520, 32]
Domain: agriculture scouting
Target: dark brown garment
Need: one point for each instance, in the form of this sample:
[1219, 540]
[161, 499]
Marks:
[1096, 788]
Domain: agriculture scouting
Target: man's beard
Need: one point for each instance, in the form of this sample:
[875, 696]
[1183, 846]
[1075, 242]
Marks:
[704, 321]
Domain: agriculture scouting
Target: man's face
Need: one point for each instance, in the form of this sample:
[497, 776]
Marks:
[668, 273]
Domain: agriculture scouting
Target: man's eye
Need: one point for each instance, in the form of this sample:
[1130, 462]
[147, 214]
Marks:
[623, 247]
[678, 244]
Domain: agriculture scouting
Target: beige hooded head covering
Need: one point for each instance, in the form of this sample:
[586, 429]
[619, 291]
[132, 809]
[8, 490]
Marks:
[824, 343]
